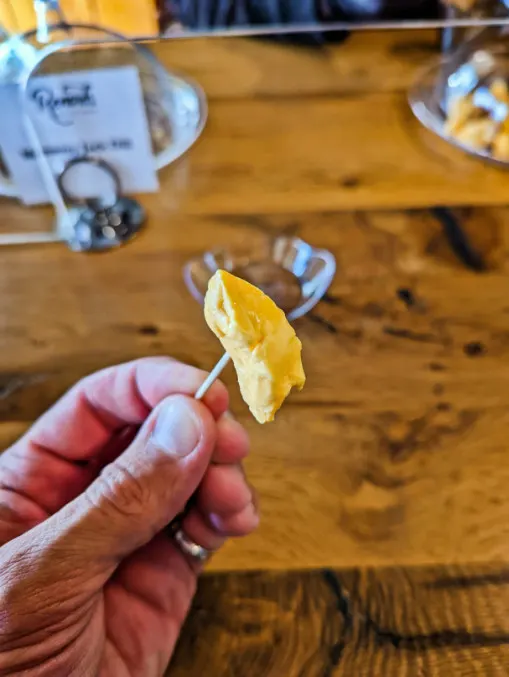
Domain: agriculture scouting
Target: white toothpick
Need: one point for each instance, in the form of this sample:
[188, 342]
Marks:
[214, 374]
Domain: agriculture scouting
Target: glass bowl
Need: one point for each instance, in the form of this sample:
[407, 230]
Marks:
[292, 272]
[447, 78]
[176, 106]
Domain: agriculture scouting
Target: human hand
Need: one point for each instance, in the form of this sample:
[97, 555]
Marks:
[90, 583]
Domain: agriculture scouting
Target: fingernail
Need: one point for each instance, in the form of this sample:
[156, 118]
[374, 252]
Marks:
[245, 521]
[177, 431]
[251, 514]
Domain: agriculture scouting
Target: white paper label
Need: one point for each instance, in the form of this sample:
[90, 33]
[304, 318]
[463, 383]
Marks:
[100, 113]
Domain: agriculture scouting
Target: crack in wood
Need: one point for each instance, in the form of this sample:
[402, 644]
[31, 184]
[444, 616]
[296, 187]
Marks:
[343, 606]
[444, 638]
[410, 335]
[458, 239]
[10, 384]
[407, 296]
[463, 582]
[320, 320]
[451, 638]
[331, 299]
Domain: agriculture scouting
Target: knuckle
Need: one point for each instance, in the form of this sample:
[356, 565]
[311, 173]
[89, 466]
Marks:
[117, 489]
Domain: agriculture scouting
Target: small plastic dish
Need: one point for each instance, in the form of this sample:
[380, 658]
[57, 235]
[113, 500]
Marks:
[292, 272]
[438, 83]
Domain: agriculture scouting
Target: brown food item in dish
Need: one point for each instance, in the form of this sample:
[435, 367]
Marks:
[281, 285]
[475, 127]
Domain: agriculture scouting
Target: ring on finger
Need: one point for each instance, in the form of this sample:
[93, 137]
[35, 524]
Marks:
[191, 549]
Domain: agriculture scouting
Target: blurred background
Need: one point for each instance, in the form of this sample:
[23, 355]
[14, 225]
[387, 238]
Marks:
[154, 17]
[135, 17]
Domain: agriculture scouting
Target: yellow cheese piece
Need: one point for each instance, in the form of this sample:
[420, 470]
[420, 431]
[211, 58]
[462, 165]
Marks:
[256, 334]
[501, 147]
[500, 90]
[460, 110]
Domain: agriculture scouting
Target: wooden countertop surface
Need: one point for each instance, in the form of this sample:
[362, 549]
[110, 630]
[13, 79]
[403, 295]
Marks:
[384, 544]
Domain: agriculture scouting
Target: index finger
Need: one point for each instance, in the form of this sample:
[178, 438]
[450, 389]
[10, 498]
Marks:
[83, 421]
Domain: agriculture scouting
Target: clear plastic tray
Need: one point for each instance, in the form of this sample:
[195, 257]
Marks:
[292, 272]
[448, 79]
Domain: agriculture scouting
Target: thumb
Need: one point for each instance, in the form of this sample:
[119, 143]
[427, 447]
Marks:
[138, 494]
[135, 497]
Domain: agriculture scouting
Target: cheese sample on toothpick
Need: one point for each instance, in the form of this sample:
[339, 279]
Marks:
[256, 334]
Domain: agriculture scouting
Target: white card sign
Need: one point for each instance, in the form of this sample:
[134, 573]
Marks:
[100, 113]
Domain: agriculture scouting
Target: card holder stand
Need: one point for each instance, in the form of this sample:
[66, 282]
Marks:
[176, 110]
[67, 214]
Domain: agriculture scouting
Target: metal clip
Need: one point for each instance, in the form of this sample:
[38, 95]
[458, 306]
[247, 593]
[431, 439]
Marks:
[100, 223]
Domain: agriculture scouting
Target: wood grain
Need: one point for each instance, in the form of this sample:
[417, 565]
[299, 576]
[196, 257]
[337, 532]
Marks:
[431, 622]
[348, 138]
[239, 68]
[394, 452]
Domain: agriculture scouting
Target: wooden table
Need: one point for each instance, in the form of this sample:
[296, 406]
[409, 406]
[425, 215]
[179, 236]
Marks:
[384, 546]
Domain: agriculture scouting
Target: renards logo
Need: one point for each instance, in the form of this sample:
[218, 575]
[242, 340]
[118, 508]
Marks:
[58, 106]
